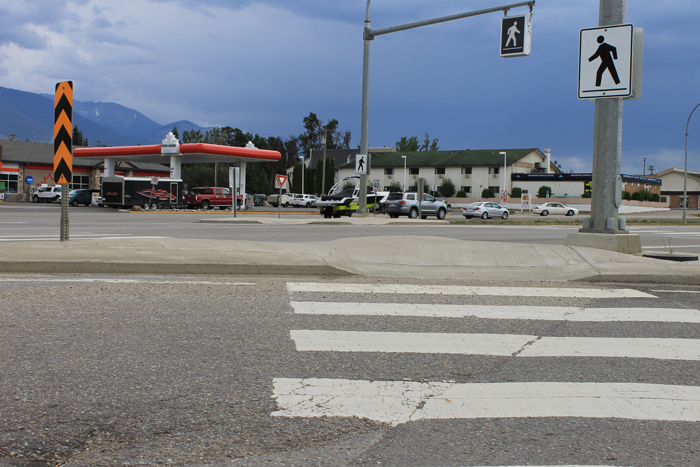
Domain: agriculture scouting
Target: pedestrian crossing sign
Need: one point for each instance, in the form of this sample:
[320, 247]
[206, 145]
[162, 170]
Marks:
[516, 35]
[605, 62]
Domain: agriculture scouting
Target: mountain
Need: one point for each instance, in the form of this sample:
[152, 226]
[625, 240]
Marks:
[30, 115]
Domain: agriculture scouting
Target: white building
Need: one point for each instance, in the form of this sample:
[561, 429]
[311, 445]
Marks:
[471, 171]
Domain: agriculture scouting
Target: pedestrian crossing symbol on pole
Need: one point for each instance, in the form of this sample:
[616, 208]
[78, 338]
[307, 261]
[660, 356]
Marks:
[516, 35]
[361, 164]
[605, 62]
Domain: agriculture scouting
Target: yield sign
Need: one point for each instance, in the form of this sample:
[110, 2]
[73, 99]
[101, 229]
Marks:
[281, 180]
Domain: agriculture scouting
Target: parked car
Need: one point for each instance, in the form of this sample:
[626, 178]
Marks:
[286, 199]
[47, 194]
[406, 204]
[81, 196]
[449, 206]
[554, 208]
[485, 210]
[304, 201]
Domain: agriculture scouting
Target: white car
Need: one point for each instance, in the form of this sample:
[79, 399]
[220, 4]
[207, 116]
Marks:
[554, 208]
[485, 210]
[304, 201]
[47, 194]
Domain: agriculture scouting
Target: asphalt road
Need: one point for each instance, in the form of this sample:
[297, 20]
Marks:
[176, 370]
[24, 221]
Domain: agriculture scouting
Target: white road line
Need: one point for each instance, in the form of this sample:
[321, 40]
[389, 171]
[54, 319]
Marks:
[666, 248]
[676, 291]
[124, 281]
[548, 313]
[37, 238]
[397, 402]
[500, 345]
[459, 290]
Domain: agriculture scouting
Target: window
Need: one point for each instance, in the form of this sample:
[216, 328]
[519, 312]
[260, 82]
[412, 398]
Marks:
[494, 170]
[411, 196]
[80, 182]
[663, 199]
[8, 183]
[466, 189]
[389, 171]
[414, 171]
[439, 171]
[466, 170]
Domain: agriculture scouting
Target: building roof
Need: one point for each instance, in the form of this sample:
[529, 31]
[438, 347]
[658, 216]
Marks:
[691, 173]
[22, 152]
[468, 157]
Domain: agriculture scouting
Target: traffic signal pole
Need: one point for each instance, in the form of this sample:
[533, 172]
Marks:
[369, 35]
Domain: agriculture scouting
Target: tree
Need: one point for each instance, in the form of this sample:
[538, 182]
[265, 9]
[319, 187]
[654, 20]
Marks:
[330, 175]
[175, 132]
[447, 188]
[78, 139]
[516, 192]
[411, 144]
[192, 136]
[407, 144]
[487, 193]
[543, 191]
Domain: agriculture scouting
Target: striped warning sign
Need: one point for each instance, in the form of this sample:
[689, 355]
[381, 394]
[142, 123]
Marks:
[63, 133]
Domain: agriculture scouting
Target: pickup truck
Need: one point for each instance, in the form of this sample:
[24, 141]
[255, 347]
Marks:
[207, 198]
[287, 199]
[47, 194]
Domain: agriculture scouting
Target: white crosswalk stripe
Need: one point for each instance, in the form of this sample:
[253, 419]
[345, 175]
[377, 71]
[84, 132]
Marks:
[495, 344]
[397, 402]
[550, 313]
[563, 292]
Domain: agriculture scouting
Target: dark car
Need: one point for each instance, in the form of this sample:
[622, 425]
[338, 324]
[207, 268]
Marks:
[81, 196]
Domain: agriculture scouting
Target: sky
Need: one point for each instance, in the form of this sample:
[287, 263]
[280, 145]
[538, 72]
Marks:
[262, 66]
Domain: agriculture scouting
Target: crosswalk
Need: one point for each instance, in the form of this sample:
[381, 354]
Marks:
[403, 401]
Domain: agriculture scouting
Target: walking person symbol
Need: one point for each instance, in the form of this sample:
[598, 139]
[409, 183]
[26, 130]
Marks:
[512, 31]
[361, 164]
[607, 54]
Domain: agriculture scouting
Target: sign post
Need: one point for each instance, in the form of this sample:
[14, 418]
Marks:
[154, 184]
[63, 148]
[233, 182]
[280, 181]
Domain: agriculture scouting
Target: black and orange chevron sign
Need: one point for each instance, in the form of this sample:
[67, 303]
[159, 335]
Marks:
[63, 133]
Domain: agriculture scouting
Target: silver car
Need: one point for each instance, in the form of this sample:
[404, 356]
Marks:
[406, 204]
[485, 210]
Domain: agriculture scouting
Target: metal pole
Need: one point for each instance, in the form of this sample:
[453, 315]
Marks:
[607, 144]
[65, 222]
[404, 173]
[364, 128]
[368, 35]
[323, 175]
[685, 167]
[504, 175]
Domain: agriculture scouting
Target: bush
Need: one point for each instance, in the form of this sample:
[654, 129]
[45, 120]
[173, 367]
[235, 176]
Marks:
[516, 192]
[487, 193]
[447, 188]
[394, 187]
[655, 197]
[626, 195]
[637, 196]
[586, 194]
[542, 192]
[461, 194]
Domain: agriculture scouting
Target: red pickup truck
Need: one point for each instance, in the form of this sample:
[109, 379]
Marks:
[207, 198]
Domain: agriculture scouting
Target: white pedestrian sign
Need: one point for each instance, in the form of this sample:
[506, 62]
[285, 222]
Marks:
[361, 164]
[516, 35]
[605, 62]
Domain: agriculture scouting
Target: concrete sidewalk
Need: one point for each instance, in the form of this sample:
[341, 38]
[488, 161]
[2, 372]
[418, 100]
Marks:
[400, 256]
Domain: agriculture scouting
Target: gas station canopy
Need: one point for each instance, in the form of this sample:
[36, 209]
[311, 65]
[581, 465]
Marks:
[187, 153]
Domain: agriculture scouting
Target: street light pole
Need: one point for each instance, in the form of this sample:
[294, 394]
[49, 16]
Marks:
[404, 172]
[504, 174]
[685, 167]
